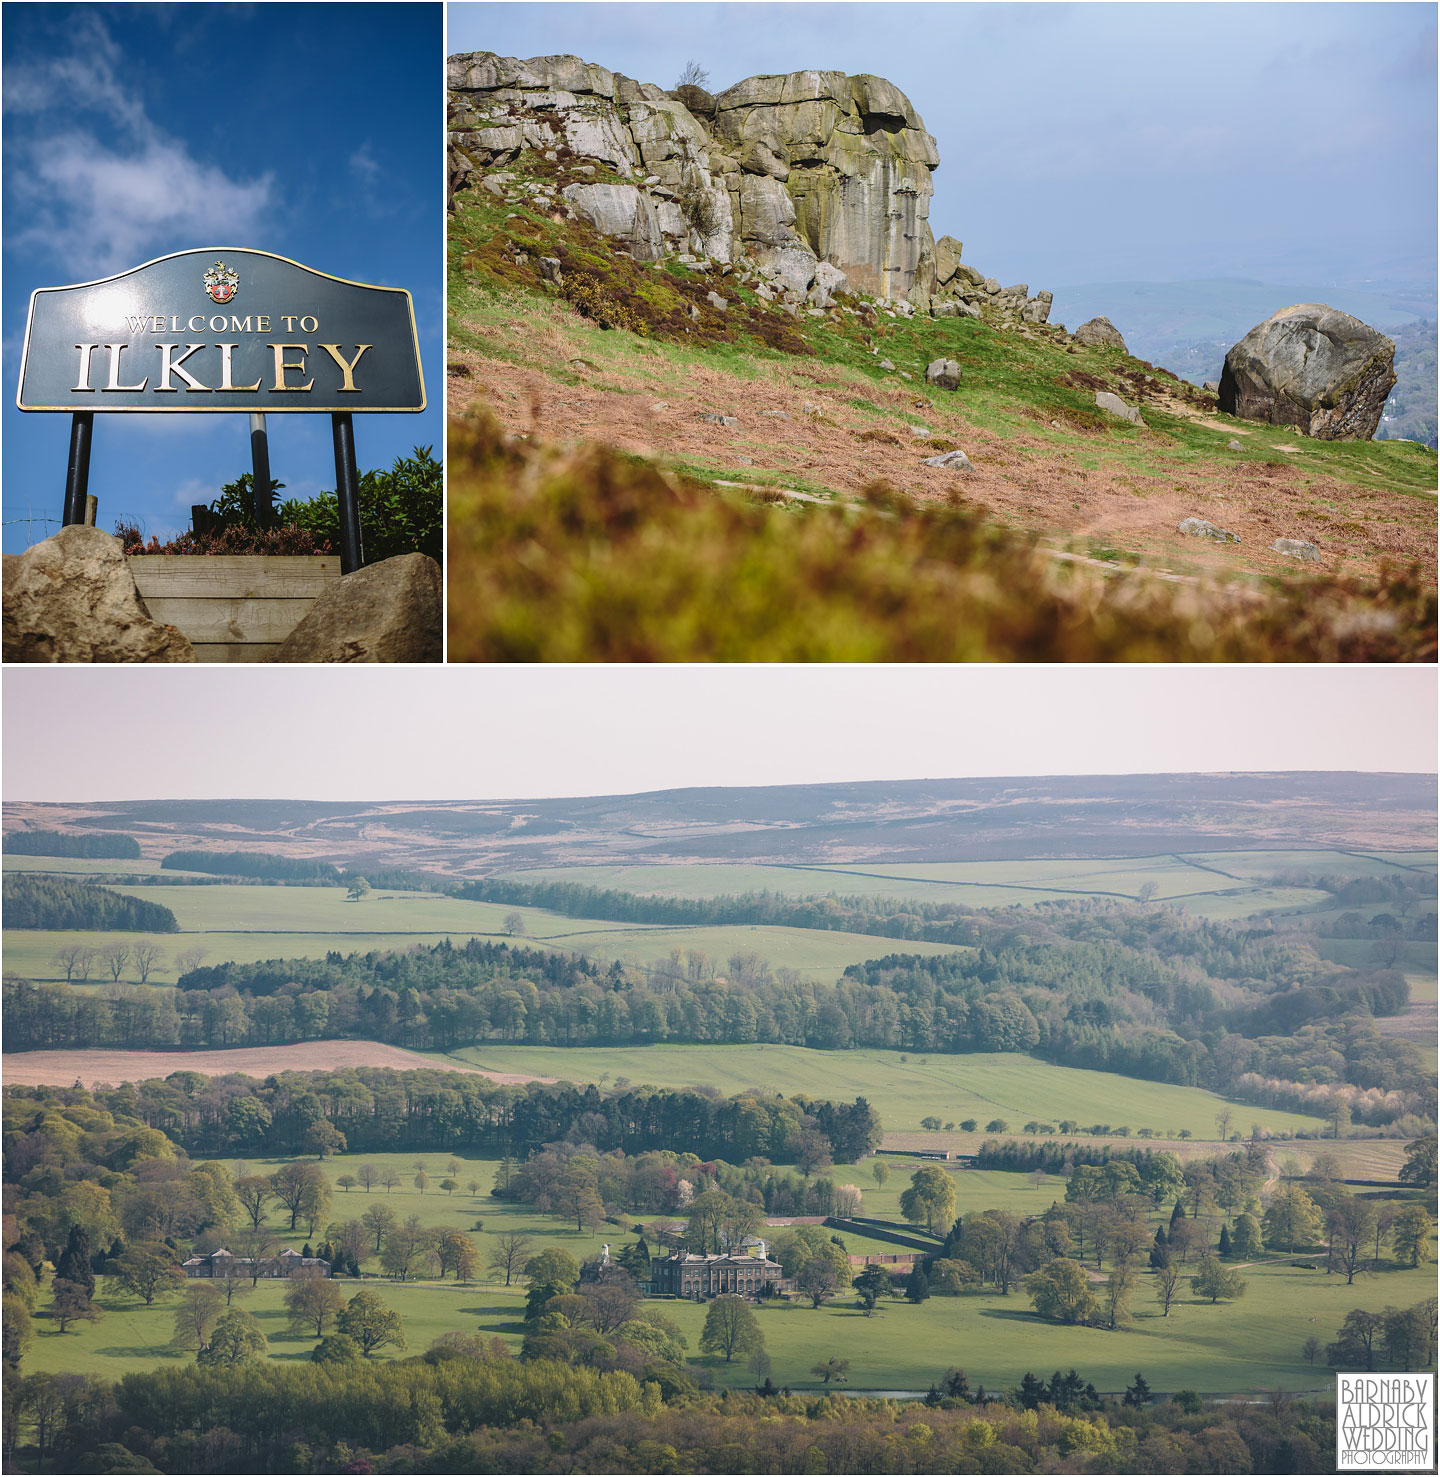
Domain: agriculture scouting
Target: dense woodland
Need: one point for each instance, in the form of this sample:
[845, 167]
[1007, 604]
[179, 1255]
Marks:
[375, 1109]
[439, 1414]
[1144, 991]
[72, 844]
[33, 900]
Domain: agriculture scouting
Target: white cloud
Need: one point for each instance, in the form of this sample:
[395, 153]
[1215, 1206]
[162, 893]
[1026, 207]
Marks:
[364, 166]
[101, 200]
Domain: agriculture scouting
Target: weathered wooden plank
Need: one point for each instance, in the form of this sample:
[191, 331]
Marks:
[230, 621]
[236, 651]
[234, 576]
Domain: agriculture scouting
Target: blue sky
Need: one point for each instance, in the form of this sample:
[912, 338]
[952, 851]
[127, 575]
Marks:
[1293, 143]
[130, 131]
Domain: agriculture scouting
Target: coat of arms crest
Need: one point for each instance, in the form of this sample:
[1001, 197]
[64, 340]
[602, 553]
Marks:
[221, 283]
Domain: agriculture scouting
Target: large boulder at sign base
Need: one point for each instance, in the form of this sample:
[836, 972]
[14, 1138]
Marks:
[386, 612]
[72, 598]
[1314, 368]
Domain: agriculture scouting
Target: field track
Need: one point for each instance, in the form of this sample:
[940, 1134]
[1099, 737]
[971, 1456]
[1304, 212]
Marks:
[64, 1068]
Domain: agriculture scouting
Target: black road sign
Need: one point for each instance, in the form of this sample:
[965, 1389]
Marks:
[223, 329]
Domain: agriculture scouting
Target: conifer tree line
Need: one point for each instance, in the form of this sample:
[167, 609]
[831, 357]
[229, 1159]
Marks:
[35, 900]
[263, 864]
[72, 844]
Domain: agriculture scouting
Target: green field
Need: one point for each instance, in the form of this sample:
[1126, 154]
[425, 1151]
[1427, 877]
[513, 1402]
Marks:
[246, 924]
[1249, 1345]
[1220, 885]
[89, 866]
[903, 1088]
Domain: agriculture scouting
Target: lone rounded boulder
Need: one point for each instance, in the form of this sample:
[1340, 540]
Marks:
[1312, 367]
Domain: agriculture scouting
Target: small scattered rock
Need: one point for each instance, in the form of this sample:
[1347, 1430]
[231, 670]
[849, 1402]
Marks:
[720, 420]
[919, 430]
[1114, 405]
[954, 461]
[943, 373]
[1233, 445]
[1211, 387]
[886, 364]
[550, 268]
[660, 405]
[812, 409]
[457, 371]
[716, 301]
[1203, 528]
[776, 415]
[906, 375]
[1297, 548]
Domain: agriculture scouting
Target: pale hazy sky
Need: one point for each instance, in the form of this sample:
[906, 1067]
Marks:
[352, 733]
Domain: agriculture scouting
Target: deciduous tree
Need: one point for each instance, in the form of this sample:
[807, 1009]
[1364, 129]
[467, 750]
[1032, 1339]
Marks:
[372, 1323]
[730, 1328]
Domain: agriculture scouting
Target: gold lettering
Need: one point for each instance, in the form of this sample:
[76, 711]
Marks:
[83, 381]
[262, 323]
[157, 325]
[226, 350]
[288, 319]
[347, 369]
[169, 366]
[115, 370]
[309, 325]
[282, 364]
[238, 325]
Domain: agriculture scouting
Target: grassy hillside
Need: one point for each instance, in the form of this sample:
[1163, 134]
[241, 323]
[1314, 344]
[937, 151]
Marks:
[902, 1087]
[690, 507]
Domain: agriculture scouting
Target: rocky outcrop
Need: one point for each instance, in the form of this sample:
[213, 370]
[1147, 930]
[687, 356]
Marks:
[964, 290]
[386, 612]
[818, 181]
[788, 171]
[72, 598]
[1314, 368]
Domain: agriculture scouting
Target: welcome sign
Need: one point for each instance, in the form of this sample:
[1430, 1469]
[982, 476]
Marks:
[224, 329]
[221, 329]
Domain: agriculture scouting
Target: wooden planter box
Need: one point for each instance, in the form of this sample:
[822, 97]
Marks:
[232, 607]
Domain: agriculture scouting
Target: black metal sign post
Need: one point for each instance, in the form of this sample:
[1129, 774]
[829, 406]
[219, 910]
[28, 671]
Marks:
[260, 464]
[77, 470]
[289, 339]
[347, 489]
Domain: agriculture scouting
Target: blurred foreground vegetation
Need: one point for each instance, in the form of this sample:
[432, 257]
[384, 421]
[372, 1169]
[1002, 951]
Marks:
[592, 555]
